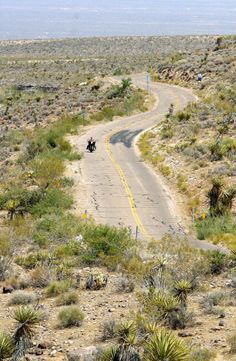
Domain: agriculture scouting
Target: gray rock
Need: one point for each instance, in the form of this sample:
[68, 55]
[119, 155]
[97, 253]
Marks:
[83, 354]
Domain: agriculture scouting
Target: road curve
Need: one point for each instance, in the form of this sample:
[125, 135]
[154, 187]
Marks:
[115, 186]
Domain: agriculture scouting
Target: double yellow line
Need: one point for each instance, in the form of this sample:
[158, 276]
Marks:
[125, 184]
[127, 189]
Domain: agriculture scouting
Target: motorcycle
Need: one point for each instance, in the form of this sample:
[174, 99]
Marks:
[91, 146]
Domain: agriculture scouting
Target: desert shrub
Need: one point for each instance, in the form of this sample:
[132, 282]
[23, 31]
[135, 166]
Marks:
[7, 346]
[66, 182]
[217, 261]
[18, 200]
[71, 248]
[47, 169]
[134, 267]
[210, 300]
[216, 226]
[105, 244]
[52, 139]
[201, 354]
[64, 272]
[60, 228]
[222, 148]
[125, 284]
[70, 316]
[5, 265]
[20, 282]
[54, 200]
[232, 343]
[22, 298]
[182, 183]
[183, 116]
[180, 319]
[165, 170]
[166, 132]
[109, 330]
[32, 260]
[5, 246]
[40, 277]
[66, 299]
[56, 288]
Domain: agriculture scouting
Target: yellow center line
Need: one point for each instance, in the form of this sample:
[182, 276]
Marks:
[127, 189]
[124, 182]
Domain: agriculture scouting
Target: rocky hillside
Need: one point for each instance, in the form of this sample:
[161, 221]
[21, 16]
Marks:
[76, 290]
[197, 146]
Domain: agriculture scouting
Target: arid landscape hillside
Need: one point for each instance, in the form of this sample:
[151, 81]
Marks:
[76, 290]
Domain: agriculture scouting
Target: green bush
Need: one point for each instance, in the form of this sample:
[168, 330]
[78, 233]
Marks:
[217, 261]
[32, 260]
[7, 346]
[216, 226]
[47, 169]
[202, 354]
[183, 116]
[56, 288]
[61, 228]
[105, 243]
[53, 201]
[22, 298]
[66, 299]
[70, 316]
[164, 345]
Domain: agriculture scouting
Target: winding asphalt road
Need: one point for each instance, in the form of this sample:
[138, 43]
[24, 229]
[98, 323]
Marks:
[116, 187]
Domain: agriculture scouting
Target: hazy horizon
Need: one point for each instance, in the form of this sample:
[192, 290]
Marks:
[33, 19]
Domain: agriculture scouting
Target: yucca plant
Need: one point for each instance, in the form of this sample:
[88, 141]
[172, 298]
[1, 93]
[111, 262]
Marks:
[120, 353]
[163, 346]
[150, 327]
[6, 346]
[27, 317]
[165, 304]
[109, 354]
[126, 332]
[160, 306]
[181, 290]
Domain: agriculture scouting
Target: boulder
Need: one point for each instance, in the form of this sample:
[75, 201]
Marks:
[7, 289]
[83, 354]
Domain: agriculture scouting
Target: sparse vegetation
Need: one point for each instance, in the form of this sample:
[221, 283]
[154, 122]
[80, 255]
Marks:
[70, 316]
[66, 299]
[22, 298]
[46, 98]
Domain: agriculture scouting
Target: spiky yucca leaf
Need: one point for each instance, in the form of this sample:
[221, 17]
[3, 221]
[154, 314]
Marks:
[151, 327]
[6, 346]
[126, 332]
[164, 345]
[181, 289]
[165, 303]
[109, 354]
[27, 317]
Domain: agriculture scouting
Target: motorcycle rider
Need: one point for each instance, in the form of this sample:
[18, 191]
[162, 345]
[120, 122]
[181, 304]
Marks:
[91, 142]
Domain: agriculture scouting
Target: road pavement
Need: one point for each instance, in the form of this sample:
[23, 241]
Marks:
[116, 187]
